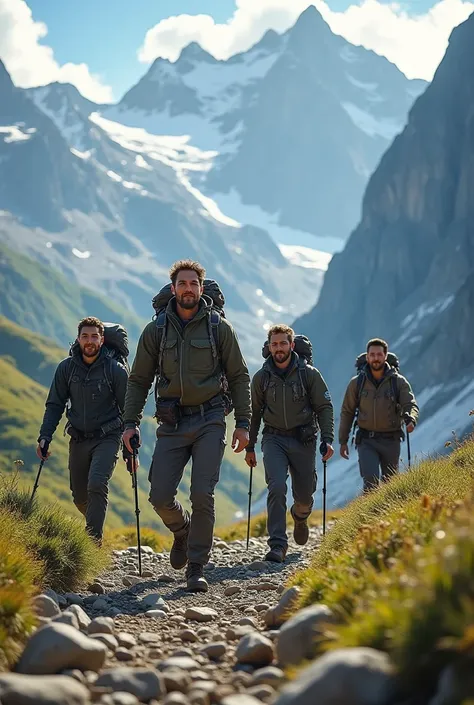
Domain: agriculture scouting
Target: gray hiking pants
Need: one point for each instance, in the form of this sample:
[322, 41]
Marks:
[376, 453]
[281, 455]
[91, 465]
[202, 438]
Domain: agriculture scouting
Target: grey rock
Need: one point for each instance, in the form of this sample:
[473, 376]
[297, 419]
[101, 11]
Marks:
[58, 646]
[201, 614]
[232, 590]
[358, 676]
[67, 617]
[262, 692]
[255, 649]
[188, 635]
[149, 637]
[271, 675]
[147, 573]
[176, 698]
[129, 580]
[144, 683]
[240, 699]
[247, 621]
[16, 689]
[123, 654]
[186, 663]
[297, 636]
[74, 599]
[156, 614]
[258, 566]
[119, 699]
[82, 617]
[101, 625]
[238, 632]
[108, 639]
[276, 616]
[100, 604]
[177, 680]
[126, 639]
[214, 651]
[45, 606]
[97, 588]
[53, 595]
[74, 673]
[155, 601]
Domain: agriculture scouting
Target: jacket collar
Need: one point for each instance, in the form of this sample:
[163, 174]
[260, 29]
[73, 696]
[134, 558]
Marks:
[272, 368]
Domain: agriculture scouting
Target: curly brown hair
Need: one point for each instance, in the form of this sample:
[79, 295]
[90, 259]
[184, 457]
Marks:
[379, 342]
[281, 328]
[91, 321]
[187, 264]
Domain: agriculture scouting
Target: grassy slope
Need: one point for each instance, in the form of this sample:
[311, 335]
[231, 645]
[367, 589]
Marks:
[43, 300]
[27, 364]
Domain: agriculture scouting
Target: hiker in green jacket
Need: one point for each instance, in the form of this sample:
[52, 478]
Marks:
[190, 410]
[382, 400]
[292, 398]
[94, 384]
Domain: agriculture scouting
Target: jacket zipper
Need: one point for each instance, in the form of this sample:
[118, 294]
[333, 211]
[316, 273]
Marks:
[181, 370]
[284, 405]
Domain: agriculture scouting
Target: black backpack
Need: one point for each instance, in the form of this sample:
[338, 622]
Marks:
[213, 292]
[116, 344]
[304, 350]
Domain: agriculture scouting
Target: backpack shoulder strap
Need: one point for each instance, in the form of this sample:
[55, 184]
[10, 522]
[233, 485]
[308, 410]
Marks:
[360, 385]
[303, 372]
[264, 381]
[161, 322]
[109, 376]
[395, 388]
[72, 367]
[214, 320]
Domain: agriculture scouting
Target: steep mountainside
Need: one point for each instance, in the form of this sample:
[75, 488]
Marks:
[296, 125]
[27, 365]
[111, 209]
[407, 272]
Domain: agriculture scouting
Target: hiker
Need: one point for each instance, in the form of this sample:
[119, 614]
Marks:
[94, 383]
[380, 400]
[195, 354]
[293, 399]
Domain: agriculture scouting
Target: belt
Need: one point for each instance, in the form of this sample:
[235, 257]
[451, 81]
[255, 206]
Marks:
[291, 433]
[214, 403]
[380, 434]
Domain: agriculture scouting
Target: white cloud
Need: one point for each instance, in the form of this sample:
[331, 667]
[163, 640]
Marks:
[30, 63]
[415, 43]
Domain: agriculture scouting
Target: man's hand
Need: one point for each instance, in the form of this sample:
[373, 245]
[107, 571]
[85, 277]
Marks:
[344, 451]
[42, 449]
[129, 463]
[128, 434]
[240, 439]
[251, 458]
[410, 427]
[329, 452]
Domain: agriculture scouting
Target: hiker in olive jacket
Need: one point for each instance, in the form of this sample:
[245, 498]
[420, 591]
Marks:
[189, 363]
[288, 398]
[382, 401]
[94, 384]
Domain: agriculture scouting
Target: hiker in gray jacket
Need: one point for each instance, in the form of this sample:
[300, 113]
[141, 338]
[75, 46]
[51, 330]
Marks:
[94, 384]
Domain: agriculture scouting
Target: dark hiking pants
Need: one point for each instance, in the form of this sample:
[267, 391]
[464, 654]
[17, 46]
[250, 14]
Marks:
[91, 465]
[283, 455]
[377, 454]
[200, 437]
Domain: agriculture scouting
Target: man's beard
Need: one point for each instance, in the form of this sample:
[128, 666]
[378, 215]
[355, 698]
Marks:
[376, 366]
[90, 350]
[281, 357]
[188, 301]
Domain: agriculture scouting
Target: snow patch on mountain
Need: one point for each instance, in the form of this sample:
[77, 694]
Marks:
[14, 133]
[306, 257]
[371, 125]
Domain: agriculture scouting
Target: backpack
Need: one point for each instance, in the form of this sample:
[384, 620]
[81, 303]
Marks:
[361, 361]
[116, 343]
[304, 350]
[213, 291]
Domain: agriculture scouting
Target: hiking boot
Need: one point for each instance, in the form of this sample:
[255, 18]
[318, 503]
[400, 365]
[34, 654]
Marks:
[196, 582]
[301, 531]
[179, 549]
[276, 555]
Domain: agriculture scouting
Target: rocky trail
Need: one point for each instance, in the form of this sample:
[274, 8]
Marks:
[132, 639]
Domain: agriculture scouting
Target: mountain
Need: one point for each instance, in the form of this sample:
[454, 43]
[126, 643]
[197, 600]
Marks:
[291, 129]
[111, 208]
[407, 271]
[27, 365]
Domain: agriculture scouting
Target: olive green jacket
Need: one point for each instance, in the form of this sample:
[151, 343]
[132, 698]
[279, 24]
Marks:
[378, 410]
[284, 403]
[189, 371]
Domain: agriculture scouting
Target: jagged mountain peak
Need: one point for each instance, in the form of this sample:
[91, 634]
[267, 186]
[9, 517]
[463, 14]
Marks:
[195, 52]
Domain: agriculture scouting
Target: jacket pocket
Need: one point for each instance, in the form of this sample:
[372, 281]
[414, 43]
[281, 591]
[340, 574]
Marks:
[170, 358]
[200, 356]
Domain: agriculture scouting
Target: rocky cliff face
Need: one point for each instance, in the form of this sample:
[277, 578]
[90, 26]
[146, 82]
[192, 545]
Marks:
[407, 271]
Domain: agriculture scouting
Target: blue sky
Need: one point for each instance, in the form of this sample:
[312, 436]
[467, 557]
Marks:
[105, 46]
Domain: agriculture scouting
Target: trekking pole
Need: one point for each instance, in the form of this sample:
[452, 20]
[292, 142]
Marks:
[44, 451]
[135, 443]
[407, 421]
[323, 449]
[250, 503]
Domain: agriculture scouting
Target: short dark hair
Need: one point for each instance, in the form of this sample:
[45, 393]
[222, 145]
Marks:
[281, 328]
[187, 264]
[379, 342]
[91, 321]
